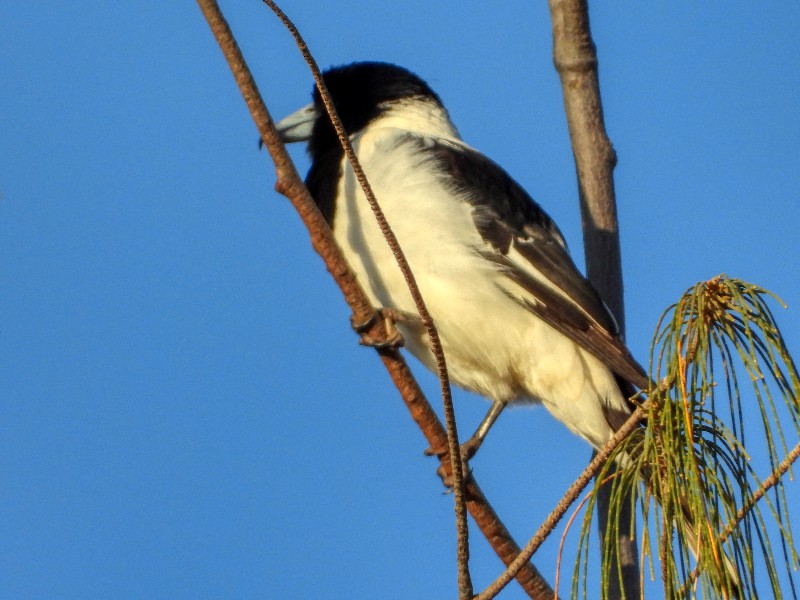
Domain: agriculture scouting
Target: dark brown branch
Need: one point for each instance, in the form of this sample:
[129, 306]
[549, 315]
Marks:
[465, 591]
[290, 184]
[575, 60]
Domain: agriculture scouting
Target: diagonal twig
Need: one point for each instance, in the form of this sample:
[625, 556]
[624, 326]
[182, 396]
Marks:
[770, 482]
[462, 528]
[290, 184]
[566, 501]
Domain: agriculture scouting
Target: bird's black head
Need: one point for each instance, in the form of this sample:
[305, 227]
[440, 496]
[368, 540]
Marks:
[360, 92]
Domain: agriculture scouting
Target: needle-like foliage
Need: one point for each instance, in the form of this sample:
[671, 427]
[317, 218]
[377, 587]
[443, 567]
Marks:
[711, 521]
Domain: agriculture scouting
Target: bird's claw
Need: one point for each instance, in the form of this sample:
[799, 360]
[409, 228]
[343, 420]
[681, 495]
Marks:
[468, 450]
[393, 339]
[445, 473]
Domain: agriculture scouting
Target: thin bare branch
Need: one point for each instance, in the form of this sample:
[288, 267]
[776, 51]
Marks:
[770, 482]
[465, 591]
[566, 501]
[290, 185]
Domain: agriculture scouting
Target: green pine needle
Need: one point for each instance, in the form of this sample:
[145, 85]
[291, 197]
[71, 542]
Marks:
[707, 517]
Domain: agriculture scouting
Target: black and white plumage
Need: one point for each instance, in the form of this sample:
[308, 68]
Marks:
[517, 320]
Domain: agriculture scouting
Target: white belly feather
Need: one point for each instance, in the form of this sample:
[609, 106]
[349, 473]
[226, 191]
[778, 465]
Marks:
[492, 344]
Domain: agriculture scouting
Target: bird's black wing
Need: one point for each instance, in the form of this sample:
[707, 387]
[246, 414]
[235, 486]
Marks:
[527, 245]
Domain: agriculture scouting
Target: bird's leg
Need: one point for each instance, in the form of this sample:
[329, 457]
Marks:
[470, 447]
[390, 316]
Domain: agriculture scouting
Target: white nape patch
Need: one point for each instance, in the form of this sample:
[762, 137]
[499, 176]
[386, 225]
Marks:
[493, 345]
[417, 115]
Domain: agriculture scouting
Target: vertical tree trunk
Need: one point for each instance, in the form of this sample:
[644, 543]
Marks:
[576, 62]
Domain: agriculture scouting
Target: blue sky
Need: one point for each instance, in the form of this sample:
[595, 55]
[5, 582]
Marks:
[185, 411]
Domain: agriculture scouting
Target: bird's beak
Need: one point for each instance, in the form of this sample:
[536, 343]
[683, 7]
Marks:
[297, 126]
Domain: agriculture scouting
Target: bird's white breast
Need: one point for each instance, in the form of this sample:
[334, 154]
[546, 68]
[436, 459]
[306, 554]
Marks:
[493, 345]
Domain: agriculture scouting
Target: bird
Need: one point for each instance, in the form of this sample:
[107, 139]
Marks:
[518, 322]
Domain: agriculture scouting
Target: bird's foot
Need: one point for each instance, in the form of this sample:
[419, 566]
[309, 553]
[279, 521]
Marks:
[468, 449]
[445, 470]
[390, 316]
